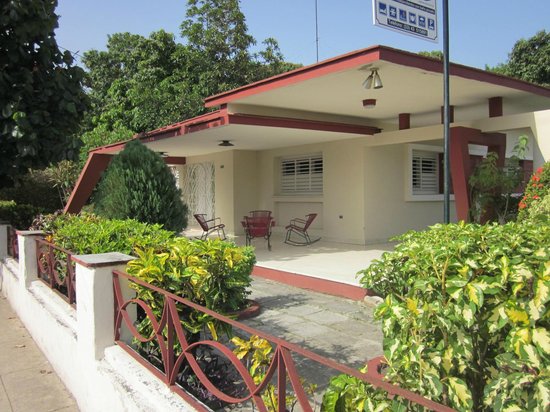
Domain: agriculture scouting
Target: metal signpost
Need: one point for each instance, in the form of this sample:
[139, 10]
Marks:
[418, 18]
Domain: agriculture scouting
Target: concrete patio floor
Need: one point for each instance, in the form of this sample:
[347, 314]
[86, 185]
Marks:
[304, 266]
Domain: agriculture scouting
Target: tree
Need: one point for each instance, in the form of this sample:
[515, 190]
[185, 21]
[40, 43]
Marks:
[141, 83]
[217, 35]
[138, 185]
[434, 54]
[41, 96]
[529, 60]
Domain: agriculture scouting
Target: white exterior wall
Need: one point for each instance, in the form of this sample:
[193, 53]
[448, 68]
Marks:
[387, 212]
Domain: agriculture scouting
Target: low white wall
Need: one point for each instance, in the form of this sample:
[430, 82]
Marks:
[100, 375]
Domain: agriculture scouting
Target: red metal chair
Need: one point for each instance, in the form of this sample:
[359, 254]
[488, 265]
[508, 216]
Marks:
[299, 227]
[209, 226]
[258, 224]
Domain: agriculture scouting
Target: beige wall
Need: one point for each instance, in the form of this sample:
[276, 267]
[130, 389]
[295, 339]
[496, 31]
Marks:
[340, 209]
[387, 213]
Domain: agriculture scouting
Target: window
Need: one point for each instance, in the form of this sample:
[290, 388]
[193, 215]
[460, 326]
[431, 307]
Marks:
[425, 172]
[302, 175]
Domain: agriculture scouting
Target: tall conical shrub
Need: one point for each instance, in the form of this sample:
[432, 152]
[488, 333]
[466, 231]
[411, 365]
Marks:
[138, 185]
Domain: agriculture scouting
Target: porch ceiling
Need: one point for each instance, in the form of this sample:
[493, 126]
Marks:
[412, 84]
[244, 137]
[406, 90]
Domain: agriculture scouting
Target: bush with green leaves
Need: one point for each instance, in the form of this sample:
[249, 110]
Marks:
[88, 234]
[465, 316]
[35, 189]
[536, 190]
[138, 185]
[212, 273]
[19, 216]
[492, 187]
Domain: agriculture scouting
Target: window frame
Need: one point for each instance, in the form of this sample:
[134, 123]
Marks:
[409, 193]
[305, 166]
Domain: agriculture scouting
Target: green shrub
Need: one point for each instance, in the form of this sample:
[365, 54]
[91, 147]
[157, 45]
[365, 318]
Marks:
[138, 185]
[540, 211]
[492, 187]
[211, 273]
[35, 189]
[537, 189]
[465, 318]
[87, 234]
[19, 216]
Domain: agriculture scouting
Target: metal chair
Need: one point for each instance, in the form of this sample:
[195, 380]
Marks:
[299, 227]
[258, 224]
[209, 226]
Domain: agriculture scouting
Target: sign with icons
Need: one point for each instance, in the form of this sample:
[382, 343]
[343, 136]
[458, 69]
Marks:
[416, 18]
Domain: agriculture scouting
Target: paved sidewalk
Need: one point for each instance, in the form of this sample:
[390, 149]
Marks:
[27, 380]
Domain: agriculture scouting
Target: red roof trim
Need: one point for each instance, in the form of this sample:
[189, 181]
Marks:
[434, 65]
[267, 121]
[335, 64]
[172, 130]
[369, 55]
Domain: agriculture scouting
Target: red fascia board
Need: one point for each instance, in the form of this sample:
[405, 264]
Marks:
[343, 62]
[251, 120]
[168, 131]
[369, 55]
[434, 65]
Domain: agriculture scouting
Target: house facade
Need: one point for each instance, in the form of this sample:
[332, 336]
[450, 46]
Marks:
[366, 160]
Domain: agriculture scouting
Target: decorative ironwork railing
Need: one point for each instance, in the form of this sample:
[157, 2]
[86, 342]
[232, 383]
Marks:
[13, 245]
[177, 359]
[55, 268]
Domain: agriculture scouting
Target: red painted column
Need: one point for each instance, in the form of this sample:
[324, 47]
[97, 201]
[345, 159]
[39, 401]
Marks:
[460, 161]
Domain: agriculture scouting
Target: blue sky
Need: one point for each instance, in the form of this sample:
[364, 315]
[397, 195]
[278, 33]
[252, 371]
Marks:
[481, 31]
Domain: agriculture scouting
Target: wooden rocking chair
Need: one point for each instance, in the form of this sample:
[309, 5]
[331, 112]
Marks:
[299, 227]
[210, 226]
[258, 224]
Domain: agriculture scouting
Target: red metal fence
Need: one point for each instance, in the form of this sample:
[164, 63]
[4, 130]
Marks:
[13, 245]
[176, 350]
[56, 269]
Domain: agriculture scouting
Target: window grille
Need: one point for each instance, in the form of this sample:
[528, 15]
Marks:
[302, 175]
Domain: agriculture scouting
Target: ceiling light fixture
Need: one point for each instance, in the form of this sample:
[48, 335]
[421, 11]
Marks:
[373, 81]
[225, 143]
[369, 103]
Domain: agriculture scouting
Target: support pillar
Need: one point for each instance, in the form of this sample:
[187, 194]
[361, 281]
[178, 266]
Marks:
[95, 301]
[28, 268]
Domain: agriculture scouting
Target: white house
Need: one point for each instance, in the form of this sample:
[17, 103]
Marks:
[367, 160]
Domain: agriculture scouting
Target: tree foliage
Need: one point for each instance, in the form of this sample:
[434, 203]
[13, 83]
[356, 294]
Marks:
[529, 60]
[141, 83]
[41, 95]
[138, 185]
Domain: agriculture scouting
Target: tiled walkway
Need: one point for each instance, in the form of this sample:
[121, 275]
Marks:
[27, 380]
[336, 328]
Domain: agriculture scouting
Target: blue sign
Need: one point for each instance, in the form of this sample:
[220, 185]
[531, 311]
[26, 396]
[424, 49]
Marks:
[417, 18]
